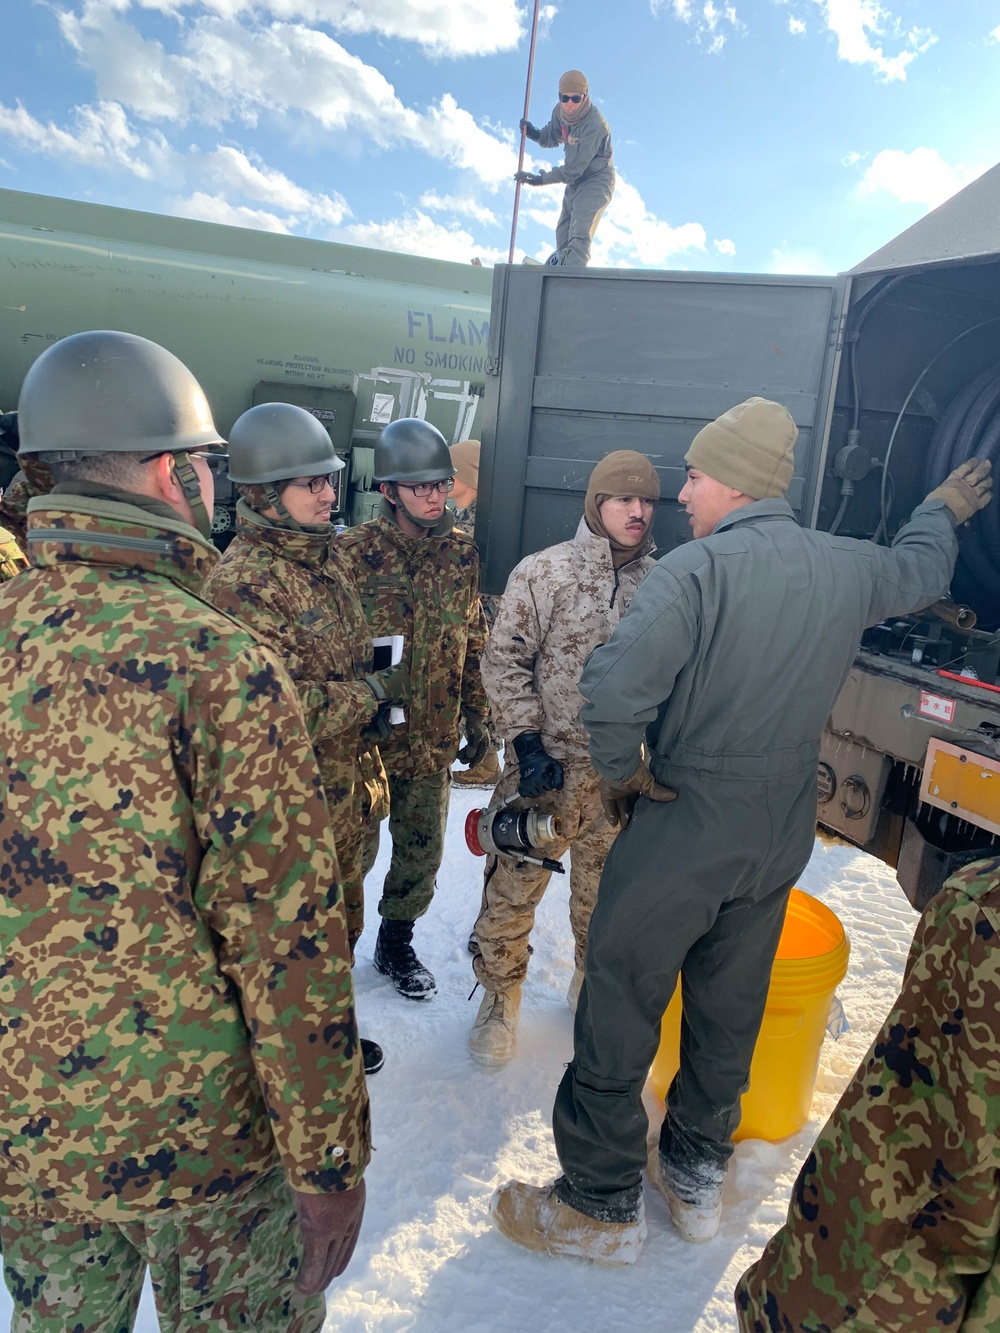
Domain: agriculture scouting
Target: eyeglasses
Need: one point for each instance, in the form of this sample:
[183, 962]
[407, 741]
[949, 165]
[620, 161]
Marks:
[316, 485]
[425, 488]
[571, 97]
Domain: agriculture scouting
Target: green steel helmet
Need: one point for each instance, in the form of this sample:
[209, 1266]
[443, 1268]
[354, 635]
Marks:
[411, 451]
[275, 441]
[106, 392]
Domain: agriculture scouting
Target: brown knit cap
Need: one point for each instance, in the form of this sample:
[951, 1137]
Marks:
[573, 82]
[465, 461]
[749, 448]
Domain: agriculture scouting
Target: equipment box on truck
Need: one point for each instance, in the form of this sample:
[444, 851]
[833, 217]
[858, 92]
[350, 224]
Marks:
[892, 373]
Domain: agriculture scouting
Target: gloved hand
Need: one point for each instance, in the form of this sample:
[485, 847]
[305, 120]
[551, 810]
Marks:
[391, 684]
[527, 178]
[379, 728]
[966, 490]
[619, 798]
[477, 738]
[533, 134]
[539, 771]
[329, 1224]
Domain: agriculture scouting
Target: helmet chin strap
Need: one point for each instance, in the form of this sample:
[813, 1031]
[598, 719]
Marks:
[420, 522]
[191, 486]
[275, 501]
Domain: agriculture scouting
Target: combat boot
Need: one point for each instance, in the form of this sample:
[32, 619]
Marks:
[395, 959]
[695, 1205]
[372, 1056]
[493, 1038]
[485, 774]
[534, 1216]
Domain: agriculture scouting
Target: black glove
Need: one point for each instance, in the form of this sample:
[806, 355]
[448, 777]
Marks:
[378, 728]
[533, 134]
[539, 771]
[391, 684]
[526, 178]
[477, 739]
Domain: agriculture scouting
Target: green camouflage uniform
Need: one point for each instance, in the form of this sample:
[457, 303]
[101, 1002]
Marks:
[894, 1222]
[175, 983]
[427, 589]
[294, 590]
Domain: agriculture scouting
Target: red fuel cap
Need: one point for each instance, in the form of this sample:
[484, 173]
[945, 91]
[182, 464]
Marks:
[472, 833]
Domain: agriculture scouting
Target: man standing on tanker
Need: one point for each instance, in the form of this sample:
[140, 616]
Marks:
[710, 699]
[588, 173]
[182, 1079]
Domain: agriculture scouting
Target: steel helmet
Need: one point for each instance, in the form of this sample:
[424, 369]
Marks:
[106, 392]
[411, 451]
[275, 441]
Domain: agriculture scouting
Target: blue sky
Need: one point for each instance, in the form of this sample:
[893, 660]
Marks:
[762, 135]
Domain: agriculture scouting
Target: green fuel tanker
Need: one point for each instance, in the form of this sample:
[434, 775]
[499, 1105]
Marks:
[359, 337]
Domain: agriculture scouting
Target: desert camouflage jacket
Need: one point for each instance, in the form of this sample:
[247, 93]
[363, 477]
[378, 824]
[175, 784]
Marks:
[294, 589]
[11, 559]
[559, 604]
[427, 589]
[894, 1221]
[34, 479]
[175, 987]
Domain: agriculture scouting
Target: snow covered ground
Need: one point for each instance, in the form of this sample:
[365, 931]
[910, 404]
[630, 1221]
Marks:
[447, 1131]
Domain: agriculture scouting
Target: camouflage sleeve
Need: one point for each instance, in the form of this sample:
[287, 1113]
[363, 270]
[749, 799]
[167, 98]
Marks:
[474, 695]
[899, 1195]
[268, 888]
[36, 480]
[330, 706]
[509, 661]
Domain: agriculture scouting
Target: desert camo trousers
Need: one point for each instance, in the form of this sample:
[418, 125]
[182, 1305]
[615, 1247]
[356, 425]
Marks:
[217, 1269]
[511, 892]
[418, 814]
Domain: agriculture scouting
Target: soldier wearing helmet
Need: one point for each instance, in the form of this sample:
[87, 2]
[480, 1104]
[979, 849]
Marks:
[418, 576]
[282, 576]
[170, 864]
[12, 559]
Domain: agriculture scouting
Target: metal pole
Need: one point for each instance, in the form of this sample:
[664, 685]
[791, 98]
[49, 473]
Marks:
[520, 156]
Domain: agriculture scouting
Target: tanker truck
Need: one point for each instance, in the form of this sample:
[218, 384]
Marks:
[892, 373]
[359, 337]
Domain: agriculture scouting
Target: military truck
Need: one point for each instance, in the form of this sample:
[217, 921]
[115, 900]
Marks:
[892, 373]
[359, 337]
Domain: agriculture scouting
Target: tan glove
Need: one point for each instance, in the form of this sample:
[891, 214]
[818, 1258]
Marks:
[619, 798]
[966, 490]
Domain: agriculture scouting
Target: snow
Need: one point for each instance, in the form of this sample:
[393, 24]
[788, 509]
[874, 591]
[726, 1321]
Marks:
[447, 1131]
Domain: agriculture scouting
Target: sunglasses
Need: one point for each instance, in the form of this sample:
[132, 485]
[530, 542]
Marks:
[571, 97]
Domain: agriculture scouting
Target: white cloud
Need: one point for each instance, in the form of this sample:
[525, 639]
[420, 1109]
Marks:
[417, 234]
[863, 28]
[711, 24]
[463, 205]
[994, 34]
[237, 173]
[796, 26]
[918, 177]
[725, 247]
[102, 137]
[630, 234]
[798, 261]
[215, 208]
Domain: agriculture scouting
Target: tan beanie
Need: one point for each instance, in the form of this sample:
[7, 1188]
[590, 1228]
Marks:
[748, 448]
[623, 472]
[465, 461]
[573, 82]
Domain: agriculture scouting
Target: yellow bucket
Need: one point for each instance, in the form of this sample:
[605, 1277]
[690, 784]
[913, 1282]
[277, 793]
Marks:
[810, 964]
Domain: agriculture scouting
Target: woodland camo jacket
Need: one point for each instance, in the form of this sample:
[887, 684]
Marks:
[427, 589]
[174, 986]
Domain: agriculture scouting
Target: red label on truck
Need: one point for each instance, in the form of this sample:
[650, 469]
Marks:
[936, 706]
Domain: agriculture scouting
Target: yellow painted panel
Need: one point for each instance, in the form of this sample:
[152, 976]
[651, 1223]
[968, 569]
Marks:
[964, 783]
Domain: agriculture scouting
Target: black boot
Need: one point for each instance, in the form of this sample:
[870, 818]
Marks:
[371, 1054]
[394, 958]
